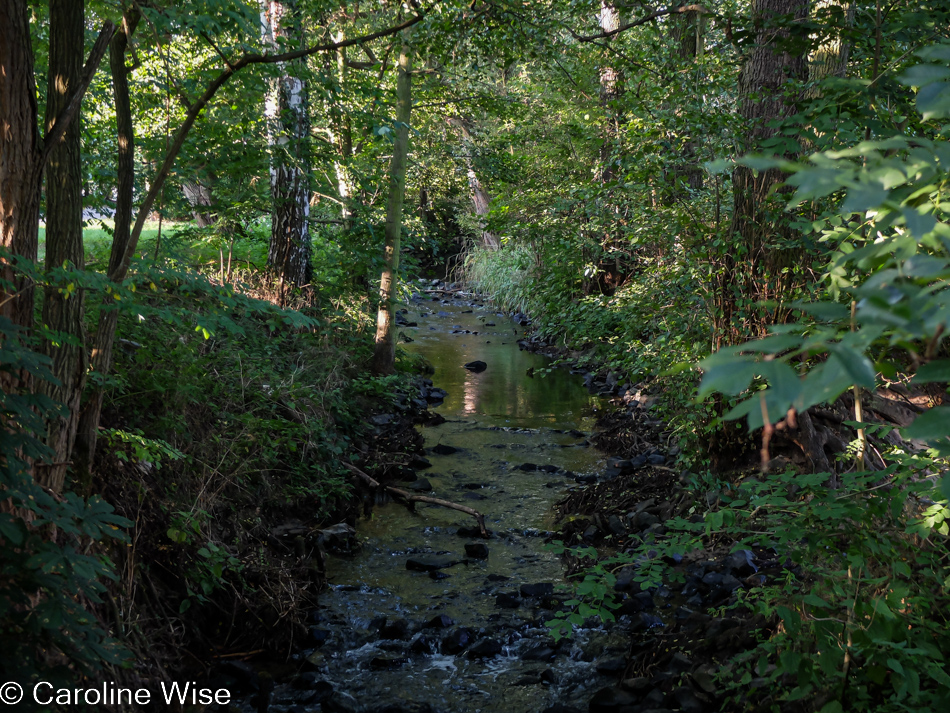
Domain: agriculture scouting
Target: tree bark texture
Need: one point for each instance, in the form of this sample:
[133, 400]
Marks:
[101, 353]
[201, 200]
[290, 249]
[830, 58]
[755, 268]
[20, 161]
[384, 354]
[63, 303]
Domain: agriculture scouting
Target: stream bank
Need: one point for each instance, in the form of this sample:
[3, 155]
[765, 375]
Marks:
[426, 615]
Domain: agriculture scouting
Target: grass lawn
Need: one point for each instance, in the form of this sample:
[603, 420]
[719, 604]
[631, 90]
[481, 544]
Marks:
[98, 241]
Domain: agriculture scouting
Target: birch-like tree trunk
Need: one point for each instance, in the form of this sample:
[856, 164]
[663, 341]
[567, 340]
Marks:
[384, 355]
[610, 90]
[289, 129]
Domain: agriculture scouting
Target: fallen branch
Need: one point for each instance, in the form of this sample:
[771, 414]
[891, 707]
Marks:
[411, 498]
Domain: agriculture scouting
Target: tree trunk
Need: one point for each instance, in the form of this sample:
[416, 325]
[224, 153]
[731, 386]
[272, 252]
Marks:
[384, 355]
[200, 198]
[101, 355]
[830, 58]
[63, 304]
[289, 253]
[342, 136]
[481, 201]
[20, 163]
[754, 269]
[688, 31]
[610, 91]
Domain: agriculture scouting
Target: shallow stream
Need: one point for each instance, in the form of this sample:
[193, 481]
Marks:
[465, 637]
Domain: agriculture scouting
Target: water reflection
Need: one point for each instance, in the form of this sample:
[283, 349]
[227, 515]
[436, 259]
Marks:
[504, 390]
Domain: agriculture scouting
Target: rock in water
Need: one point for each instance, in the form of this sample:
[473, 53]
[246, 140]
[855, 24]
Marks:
[486, 648]
[424, 565]
[476, 366]
[477, 551]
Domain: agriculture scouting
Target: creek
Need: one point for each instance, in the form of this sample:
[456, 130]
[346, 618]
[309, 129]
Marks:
[466, 638]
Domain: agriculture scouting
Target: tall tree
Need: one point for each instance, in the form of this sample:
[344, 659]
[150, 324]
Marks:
[20, 160]
[384, 355]
[758, 266]
[63, 302]
[289, 254]
[101, 356]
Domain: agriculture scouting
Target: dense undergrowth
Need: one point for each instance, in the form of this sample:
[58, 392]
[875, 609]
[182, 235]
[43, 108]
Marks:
[226, 422]
[859, 623]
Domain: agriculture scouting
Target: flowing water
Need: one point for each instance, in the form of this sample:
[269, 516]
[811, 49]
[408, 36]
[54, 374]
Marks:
[378, 650]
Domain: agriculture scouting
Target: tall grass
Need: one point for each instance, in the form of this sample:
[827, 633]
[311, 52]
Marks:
[508, 275]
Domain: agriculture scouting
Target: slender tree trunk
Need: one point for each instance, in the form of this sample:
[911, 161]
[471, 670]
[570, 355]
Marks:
[101, 354]
[20, 163]
[481, 201]
[290, 249]
[610, 90]
[754, 269]
[342, 136]
[688, 30]
[63, 304]
[384, 356]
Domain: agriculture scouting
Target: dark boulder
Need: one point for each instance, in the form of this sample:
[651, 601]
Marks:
[419, 462]
[536, 591]
[486, 648]
[539, 652]
[397, 629]
[611, 700]
[507, 601]
[442, 621]
[456, 641]
[476, 366]
[420, 485]
[477, 551]
[741, 563]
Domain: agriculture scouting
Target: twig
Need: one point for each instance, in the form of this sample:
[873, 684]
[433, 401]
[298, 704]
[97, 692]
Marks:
[410, 498]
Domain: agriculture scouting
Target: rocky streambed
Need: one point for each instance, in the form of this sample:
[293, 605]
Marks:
[427, 615]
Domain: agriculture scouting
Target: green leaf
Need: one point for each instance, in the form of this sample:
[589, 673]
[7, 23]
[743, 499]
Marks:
[895, 665]
[931, 425]
[933, 101]
[816, 601]
[934, 371]
[831, 707]
[923, 74]
[727, 375]
[855, 364]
